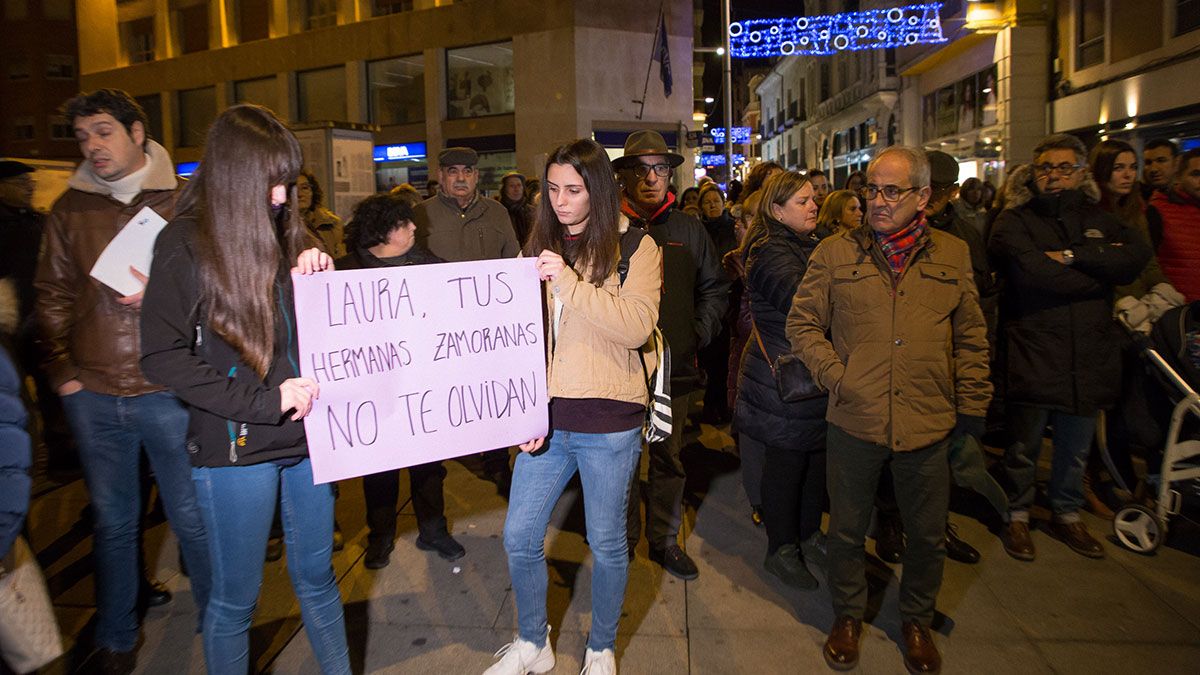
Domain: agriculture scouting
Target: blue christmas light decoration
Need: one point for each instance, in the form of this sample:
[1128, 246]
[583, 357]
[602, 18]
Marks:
[719, 160]
[740, 134]
[831, 33]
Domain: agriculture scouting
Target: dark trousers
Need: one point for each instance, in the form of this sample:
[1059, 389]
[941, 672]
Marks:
[382, 492]
[793, 493]
[714, 359]
[921, 480]
[664, 499]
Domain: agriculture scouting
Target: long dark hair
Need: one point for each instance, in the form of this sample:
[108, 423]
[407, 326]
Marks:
[241, 244]
[1129, 208]
[598, 248]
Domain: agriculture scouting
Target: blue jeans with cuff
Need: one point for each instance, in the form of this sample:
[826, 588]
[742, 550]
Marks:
[1072, 442]
[605, 463]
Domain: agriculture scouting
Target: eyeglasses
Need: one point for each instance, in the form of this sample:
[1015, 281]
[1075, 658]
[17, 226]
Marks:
[1064, 168]
[660, 170]
[891, 193]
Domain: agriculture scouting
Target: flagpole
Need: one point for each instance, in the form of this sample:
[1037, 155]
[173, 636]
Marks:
[727, 86]
[650, 65]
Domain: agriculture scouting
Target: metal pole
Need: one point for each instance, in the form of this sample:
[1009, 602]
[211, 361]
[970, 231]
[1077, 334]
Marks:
[727, 93]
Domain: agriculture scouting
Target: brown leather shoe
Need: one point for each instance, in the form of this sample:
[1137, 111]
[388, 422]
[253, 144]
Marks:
[922, 655]
[1076, 536]
[841, 647]
[1017, 542]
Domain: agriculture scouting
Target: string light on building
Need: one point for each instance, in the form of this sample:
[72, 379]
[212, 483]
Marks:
[831, 33]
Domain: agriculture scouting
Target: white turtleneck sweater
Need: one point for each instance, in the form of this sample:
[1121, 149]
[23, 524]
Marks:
[126, 189]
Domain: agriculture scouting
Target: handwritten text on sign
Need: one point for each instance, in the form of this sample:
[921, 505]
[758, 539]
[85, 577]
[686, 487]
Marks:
[420, 363]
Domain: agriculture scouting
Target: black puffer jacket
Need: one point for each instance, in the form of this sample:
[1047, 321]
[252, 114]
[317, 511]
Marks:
[775, 265]
[1062, 349]
[695, 291]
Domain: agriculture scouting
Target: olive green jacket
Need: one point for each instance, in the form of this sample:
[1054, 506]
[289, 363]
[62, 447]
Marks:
[482, 231]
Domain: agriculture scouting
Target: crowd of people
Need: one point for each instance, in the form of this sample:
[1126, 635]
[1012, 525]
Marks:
[863, 343]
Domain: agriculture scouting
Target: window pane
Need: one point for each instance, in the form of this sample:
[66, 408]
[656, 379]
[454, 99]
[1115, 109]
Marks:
[59, 10]
[60, 67]
[139, 40]
[254, 20]
[152, 105]
[321, 13]
[194, 28]
[16, 9]
[197, 109]
[60, 128]
[383, 7]
[322, 94]
[480, 80]
[263, 91]
[1187, 16]
[1091, 19]
[397, 90]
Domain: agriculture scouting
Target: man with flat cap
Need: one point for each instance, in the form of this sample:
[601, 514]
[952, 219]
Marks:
[458, 224]
[694, 297]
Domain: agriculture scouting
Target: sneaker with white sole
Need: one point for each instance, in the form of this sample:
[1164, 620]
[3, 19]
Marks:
[602, 662]
[522, 656]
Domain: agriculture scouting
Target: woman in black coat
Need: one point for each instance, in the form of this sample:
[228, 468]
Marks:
[793, 434]
[382, 234]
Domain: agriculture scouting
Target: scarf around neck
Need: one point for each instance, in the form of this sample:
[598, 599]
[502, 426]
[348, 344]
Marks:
[898, 246]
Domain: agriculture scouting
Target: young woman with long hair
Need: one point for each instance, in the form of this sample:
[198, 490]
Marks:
[789, 435]
[218, 330]
[1114, 167]
[596, 325]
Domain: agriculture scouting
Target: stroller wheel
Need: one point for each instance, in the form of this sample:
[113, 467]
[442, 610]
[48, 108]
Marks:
[1138, 529]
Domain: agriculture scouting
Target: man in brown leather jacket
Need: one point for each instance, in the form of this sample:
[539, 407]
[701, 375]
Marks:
[90, 337]
[887, 319]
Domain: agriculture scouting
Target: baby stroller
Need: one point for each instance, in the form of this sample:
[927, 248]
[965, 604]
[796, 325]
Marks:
[1170, 377]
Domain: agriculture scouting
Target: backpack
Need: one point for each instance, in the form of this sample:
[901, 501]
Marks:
[657, 426]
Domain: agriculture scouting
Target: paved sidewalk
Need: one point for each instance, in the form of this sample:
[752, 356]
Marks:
[1062, 614]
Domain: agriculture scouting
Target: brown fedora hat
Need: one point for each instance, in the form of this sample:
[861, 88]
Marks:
[645, 143]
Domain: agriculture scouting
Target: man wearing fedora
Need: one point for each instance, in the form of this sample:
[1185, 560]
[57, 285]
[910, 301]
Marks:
[694, 297]
[458, 224]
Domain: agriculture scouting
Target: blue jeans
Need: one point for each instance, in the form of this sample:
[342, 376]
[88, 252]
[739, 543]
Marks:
[238, 503]
[110, 431]
[606, 463]
[1072, 442]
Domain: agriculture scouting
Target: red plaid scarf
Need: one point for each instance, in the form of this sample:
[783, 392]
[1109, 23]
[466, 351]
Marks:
[899, 245]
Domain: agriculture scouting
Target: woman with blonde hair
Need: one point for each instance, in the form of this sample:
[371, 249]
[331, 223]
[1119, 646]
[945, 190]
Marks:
[842, 210]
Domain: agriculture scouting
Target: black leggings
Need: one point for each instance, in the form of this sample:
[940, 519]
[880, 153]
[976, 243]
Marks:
[793, 493]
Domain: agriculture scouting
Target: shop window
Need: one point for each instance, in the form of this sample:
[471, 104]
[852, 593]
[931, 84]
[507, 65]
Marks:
[263, 91]
[254, 20]
[197, 110]
[1187, 16]
[138, 37]
[16, 9]
[60, 128]
[321, 94]
[152, 106]
[1089, 33]
[193, 28]
[60, 67]
[397, 90]
[320, 13]
[19, 68]
[479, 80]
[57, 10]
[22, 129]
[384, 7]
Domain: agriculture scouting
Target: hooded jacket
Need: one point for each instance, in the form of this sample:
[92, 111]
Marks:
[1061, 346]
[775, 264]
[234, 416]
[695, 292]
[86, 334]
[15, 448]
[1179, 252]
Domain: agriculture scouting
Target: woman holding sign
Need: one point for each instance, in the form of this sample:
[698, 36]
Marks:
[218, 330]
[597, 323]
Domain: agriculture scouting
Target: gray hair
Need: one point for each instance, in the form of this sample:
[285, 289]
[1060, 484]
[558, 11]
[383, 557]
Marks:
[918, 163]
[1062, 142]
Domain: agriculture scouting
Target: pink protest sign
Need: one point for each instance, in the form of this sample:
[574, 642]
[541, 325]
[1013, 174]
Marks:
[420, 363]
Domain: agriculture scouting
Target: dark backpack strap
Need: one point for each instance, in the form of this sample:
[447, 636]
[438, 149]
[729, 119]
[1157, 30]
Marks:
[630, 240]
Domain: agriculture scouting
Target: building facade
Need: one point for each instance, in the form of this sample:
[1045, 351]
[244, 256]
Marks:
[510, 78]
[37, 48]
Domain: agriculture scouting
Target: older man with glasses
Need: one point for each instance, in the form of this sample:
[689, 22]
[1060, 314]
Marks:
[1060, 255]
[695, 295]
[887, 319]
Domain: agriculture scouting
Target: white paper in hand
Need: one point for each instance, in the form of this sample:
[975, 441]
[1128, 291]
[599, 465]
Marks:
[132, 247]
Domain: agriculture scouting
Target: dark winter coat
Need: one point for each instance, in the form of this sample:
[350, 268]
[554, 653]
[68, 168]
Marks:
[695, 290]
[234, 416]
[359, 259]
[951, 221]
[775, 265]
[1062, 348]
[15, 447]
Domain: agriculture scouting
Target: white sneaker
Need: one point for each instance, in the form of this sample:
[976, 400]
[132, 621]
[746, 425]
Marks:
[521, 656]
[602, 662]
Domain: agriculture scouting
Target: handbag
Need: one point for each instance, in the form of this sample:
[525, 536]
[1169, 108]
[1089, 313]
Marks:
[29, 635]
[792, 380]
[657, 425]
